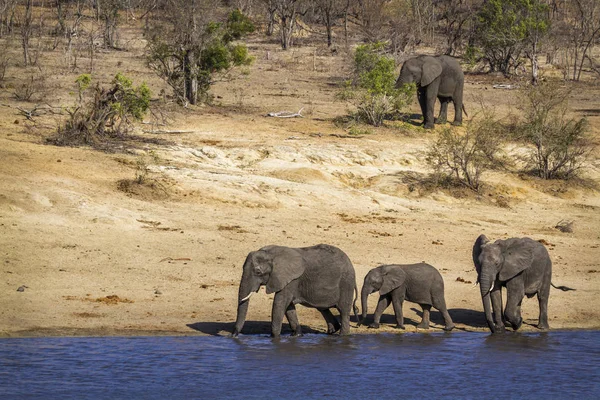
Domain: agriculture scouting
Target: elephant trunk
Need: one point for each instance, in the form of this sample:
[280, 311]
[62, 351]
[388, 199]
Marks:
[363, 302]
[247, 287]
[241, 317]
[486, 285]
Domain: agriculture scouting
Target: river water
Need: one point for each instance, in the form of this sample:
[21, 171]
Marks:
[552, 365]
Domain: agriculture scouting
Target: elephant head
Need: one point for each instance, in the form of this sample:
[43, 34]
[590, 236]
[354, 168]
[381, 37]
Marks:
[383, 279]
[273, 267]
[499, 261]
[422, 70]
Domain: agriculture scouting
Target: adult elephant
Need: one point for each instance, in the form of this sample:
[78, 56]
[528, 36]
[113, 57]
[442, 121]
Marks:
[320, 277]
[523, 267]
[436, 77]
[418, 283]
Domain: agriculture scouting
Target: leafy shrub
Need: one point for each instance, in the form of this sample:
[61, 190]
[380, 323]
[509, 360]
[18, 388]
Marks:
[463, 157]
[560, 144]
[108, 113]
[373, 91]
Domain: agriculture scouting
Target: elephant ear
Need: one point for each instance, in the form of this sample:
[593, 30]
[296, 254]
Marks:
[518, 256]
[288, 265]
[432, 68]
[392, 278]
[477, 248]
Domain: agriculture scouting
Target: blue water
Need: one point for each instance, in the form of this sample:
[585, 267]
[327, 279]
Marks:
[553, 365]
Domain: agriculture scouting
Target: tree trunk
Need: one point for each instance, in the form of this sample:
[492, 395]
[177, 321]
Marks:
[190, 81]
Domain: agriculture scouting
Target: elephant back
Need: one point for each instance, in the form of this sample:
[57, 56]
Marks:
[423, 281]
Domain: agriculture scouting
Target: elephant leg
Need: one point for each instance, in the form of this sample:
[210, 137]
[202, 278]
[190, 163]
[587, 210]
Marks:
[443, 117]
[397, 302]
[496, 296]
[514, 296]
[543, 296]
[424, 324]
[345, 320]
[332, 323]
[440, 304]
[292, 318]
[422, 97]
[431, 96]
[281, 303]
[457, 99]
[384, 302]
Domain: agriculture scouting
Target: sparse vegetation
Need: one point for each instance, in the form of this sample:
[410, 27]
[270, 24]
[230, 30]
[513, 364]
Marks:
[560, 144]
[108, 113]
[461, 157]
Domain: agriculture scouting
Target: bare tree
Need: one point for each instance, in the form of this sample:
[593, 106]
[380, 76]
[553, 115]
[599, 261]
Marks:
[331, 10]
[287, 11]
[26, 24]
[585, 30]
[7, 12]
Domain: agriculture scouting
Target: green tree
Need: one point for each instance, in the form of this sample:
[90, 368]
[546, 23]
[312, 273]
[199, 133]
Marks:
[189, 46]
[506, 28]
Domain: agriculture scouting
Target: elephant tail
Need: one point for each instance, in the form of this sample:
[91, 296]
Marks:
[354, 307]
[563, 288]
[465, 111]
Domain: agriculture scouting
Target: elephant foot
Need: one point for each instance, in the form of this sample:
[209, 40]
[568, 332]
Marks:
[374, 325]
[457, 123]
[297, 332]
[543, 326]
[398, 326]
[423, 325]
[499, 329]
[428, 125]
[440, 121]
[448, 328]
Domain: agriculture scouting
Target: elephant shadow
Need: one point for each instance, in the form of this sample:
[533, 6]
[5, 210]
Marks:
[250, 328]
[472, 318]
[409, 118]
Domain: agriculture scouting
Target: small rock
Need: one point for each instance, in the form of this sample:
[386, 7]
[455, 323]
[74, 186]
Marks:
[22, 288]
[156, 291]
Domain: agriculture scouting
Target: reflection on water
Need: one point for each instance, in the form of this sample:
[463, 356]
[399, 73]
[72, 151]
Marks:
[411, 365]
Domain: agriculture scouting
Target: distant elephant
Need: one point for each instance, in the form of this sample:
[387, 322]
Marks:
[523, 266]
[417, 283]
[320, 277]
[436, 77]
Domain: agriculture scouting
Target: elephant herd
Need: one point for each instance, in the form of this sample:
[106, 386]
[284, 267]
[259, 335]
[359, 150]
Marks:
[323, 277]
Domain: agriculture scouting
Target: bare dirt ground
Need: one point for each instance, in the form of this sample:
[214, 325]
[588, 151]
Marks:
[97, 257]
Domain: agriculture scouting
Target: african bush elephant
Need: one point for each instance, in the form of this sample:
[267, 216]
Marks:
[436, 77]
[417, 283]
[523, 266]
[320, 277]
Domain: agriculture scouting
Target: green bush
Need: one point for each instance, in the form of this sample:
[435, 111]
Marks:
[373, 90]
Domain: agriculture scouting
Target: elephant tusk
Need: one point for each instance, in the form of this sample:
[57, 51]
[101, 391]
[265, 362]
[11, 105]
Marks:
[475, 284]
[247, 297]
[492, 287]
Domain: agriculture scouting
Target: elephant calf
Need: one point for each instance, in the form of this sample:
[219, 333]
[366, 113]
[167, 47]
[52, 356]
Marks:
[418, 283]
[320, 277]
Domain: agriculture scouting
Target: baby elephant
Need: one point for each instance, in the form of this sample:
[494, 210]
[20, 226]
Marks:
[417, 283]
